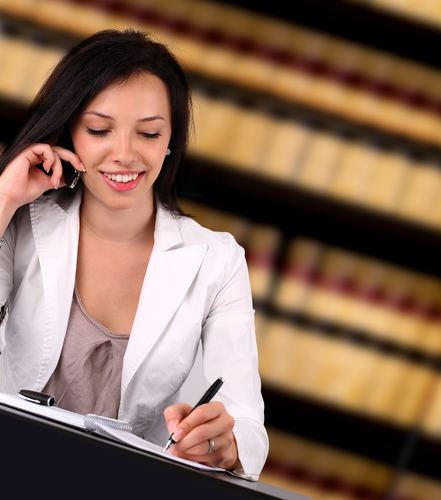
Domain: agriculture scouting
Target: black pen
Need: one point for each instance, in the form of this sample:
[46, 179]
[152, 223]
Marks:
[37, 397]
[211, 391]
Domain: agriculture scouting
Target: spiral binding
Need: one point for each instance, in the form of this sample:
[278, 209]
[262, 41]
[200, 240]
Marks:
[91, 421]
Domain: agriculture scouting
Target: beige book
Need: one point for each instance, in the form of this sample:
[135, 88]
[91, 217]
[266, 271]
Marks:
[251, 132]
[431, 420]
[319, 161]
[386, 384]
[406, 77]
[328, 295]
[364, 103]
[418, 9]
[220, 61]
[368, 311]
[328, 368]
[341, 59]
[256, 70]
[415, 119]
[202, 106]
[293, 82]
[73, 18]
[386, 182]
[215, 138]
[274, 353]
[420, 192]
[20, 8]
[427, 120]
[287, 141]
[305, 353]
[262, 246]
[401, 324]
[350, 389]
[15, 58]
[196, 51]
[416, 326]
[295, 281]
[427, 337]
[414, 395]
[354, 168]
[43, 60]
[435, 17]
[432, 213]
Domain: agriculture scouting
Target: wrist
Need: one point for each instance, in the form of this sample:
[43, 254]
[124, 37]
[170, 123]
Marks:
[7, 211]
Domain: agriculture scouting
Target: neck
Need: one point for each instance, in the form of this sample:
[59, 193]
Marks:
[134, 225]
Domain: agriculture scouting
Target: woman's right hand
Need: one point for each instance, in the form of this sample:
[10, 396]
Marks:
[21, 182]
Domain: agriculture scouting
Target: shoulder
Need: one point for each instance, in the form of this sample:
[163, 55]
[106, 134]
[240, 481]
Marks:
[193, 233]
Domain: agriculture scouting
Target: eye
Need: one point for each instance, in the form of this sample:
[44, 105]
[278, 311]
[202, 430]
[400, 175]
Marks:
[98, 133]
[151, 136]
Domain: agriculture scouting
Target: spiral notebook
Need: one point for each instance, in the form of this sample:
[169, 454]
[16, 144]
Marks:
[115, 429]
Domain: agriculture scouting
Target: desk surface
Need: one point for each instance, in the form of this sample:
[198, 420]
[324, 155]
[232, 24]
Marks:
[62, 460]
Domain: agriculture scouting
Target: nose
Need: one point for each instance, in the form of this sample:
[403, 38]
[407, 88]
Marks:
[123, 151]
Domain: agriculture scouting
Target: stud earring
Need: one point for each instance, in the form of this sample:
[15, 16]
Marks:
[168, 151]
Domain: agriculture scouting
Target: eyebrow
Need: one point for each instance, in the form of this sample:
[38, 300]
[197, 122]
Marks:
[107, 117]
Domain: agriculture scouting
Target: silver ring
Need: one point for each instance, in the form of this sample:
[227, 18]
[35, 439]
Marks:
[211, 443]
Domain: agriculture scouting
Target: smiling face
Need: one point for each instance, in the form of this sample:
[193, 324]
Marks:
[122, 138]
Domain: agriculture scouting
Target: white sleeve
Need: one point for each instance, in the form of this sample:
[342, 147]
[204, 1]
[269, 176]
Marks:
[230, 350]
[7, 262]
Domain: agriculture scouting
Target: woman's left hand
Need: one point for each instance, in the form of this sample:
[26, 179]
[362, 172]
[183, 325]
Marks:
[193, 434]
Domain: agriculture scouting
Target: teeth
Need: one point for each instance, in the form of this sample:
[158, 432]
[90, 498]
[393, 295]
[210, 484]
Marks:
[122, 178]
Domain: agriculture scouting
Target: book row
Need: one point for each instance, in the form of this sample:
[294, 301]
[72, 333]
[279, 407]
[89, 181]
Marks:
[354, 169]
[353, 377]
[322, 159]
[328, 473]
[386, 305]
[353, 292]
[291, 62]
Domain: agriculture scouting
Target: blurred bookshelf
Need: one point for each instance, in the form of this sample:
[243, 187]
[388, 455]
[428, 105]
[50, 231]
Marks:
[318, 146]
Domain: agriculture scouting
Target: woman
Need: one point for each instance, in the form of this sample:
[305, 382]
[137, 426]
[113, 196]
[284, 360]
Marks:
[106, 287]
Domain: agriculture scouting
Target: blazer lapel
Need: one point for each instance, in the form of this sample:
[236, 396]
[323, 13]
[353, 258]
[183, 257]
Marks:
[56, 220]
[171, 271]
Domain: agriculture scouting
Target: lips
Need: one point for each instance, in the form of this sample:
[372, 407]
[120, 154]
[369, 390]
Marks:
[122, 181]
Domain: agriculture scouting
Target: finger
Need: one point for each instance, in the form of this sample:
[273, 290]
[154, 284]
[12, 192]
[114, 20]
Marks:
[220, 442]
[221, 426]
[57, 171]
[175, 414]
[71, 157]
[198, 416]
[39, 153]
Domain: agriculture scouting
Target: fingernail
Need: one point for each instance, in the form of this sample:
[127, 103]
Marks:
[171, 426]
[57, 184]
[178, 435]
[82, 166]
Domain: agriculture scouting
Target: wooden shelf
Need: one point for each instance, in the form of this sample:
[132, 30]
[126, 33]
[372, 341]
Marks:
[359, 23]
[300, 212]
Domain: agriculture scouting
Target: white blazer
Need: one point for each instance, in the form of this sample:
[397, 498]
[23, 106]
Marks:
[196, 288]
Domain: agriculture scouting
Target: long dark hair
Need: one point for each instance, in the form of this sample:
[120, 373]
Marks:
[107, 58]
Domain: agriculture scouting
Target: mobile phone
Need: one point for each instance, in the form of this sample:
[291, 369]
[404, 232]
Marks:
[71, 175]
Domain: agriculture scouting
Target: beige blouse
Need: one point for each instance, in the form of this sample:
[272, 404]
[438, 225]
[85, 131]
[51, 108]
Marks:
[87, 378]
